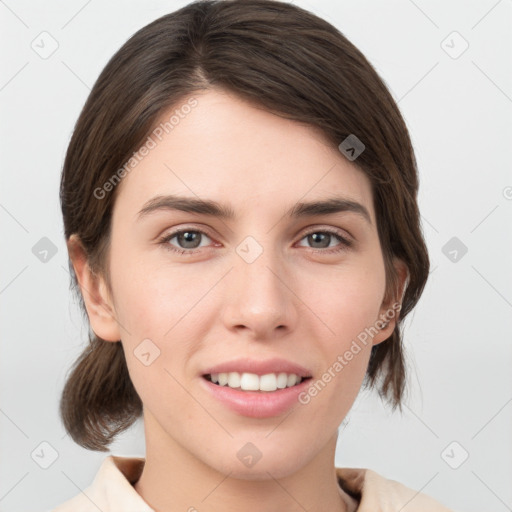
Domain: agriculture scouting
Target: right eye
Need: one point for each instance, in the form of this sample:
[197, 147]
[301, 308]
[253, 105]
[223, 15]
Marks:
[188, 238]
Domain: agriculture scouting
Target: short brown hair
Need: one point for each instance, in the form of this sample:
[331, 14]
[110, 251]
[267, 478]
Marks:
[279, 57]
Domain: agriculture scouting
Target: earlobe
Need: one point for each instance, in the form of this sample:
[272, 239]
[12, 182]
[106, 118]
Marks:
[98, 303]
[391, 305]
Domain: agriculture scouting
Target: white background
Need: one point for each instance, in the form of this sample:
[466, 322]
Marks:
[458, 339]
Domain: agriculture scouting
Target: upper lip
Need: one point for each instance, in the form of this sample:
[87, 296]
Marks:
[259, 367]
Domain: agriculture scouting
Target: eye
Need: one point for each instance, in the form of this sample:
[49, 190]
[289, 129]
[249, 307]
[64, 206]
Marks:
[190, 239]
[187, 240]
[322, 239]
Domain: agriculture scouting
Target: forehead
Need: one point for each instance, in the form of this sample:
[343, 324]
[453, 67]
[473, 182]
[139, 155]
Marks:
[226, 149]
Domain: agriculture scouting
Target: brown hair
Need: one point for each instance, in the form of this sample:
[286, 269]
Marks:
[283, 59]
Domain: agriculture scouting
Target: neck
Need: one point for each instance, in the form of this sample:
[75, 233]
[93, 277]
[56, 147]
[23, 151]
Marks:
[173, 479]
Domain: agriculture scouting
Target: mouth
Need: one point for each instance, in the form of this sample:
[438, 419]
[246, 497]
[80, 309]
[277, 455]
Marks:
[266, 383]
[256, 388]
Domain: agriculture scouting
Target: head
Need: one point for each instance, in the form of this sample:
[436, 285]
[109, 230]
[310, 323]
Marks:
[198, 105]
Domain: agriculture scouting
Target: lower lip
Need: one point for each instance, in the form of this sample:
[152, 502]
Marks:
[257, 404]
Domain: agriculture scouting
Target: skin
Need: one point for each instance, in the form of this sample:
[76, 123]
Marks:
[296, 301]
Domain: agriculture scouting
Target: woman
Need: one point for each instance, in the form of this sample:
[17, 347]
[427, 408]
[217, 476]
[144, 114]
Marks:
[239, 203]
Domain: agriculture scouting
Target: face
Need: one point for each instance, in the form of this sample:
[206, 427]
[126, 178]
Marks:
[273, 288]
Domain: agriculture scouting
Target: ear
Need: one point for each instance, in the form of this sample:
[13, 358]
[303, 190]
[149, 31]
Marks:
[391, 304]
[98, 302]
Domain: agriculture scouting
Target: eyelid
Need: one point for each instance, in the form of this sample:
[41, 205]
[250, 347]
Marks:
[186, 227]
[329, 229]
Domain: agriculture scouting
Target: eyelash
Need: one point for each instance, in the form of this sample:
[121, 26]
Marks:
[344, 245]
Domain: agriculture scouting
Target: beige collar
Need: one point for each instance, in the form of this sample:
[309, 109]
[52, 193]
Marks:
[112, 490]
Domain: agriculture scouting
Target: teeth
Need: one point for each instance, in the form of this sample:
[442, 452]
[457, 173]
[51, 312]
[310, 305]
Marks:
[249, 382]
[253, 382]
[292, 380]
[234, 380]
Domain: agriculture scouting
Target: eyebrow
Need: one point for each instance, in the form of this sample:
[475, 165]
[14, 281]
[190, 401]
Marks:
[225, 212]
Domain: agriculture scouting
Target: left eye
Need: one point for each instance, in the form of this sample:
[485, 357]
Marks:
[324, 239]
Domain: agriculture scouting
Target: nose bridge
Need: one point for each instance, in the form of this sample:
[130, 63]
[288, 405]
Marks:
[259, 298]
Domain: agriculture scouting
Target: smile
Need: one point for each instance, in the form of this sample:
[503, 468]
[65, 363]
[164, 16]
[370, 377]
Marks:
[253, 382]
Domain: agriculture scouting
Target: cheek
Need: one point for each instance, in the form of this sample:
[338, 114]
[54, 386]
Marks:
[151, 299]
[346, 298]
[163, 317]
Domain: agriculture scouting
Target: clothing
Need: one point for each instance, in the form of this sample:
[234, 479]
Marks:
[112, 491]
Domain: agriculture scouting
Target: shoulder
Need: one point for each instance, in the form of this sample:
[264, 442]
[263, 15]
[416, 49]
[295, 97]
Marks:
[79, 503]
[379, 494]
[112, 489]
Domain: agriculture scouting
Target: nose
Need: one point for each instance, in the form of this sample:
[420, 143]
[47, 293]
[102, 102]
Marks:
[260, 299]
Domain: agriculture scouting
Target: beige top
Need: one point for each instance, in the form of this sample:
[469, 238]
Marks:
[112, 491]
